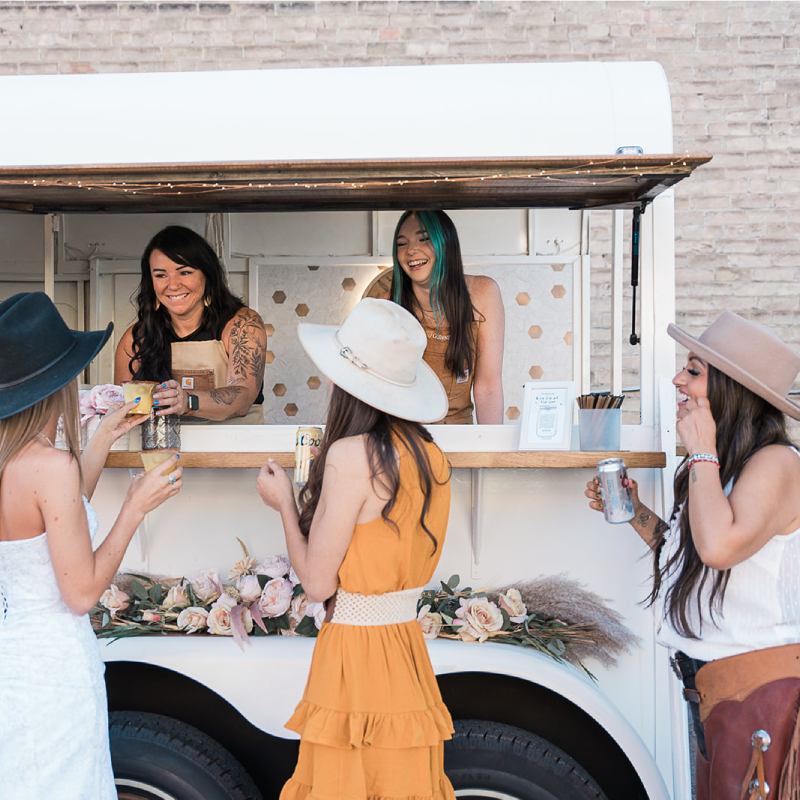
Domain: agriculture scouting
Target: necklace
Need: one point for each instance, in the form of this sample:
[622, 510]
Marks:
[46, 438]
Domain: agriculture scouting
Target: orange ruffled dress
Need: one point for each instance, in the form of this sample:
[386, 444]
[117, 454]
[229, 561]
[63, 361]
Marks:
[372, 722]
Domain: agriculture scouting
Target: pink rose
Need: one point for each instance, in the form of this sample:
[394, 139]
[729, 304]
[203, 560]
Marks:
[113, 600]
[249, 589]
[478, 618]
[192, 619]
[274, 567]
[430, 622]
[207, 585]
[275, 598]
[219, 620]
[511, 601]
[150, 616]
[99, 399]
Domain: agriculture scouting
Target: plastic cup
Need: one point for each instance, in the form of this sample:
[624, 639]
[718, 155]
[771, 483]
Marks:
[152, 458]
[144, 389]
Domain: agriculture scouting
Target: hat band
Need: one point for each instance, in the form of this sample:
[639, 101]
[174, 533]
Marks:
[346, 352]
[38, 371]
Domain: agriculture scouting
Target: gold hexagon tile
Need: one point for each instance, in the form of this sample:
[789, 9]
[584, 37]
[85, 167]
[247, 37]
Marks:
[301, 310]
[290, 409]
[279, 390]
[568, 338]
[314, 382]
[269, 356]
[512, 412]
[348, 284]
[558, 291]
[270, 330]
[523, 298]
[536, 373]
[557, 267]
[279, 297]
[534, 331]
[313, 268]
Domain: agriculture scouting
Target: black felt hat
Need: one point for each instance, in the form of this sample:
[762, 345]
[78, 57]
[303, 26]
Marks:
[39, 354]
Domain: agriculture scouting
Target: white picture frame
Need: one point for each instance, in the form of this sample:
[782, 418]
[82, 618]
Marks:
[547, 412]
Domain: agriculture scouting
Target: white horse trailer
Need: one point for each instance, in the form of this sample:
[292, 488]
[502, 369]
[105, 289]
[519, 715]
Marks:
[298, 178]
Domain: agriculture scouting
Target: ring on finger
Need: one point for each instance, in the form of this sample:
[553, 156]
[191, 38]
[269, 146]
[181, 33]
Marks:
[172, 479]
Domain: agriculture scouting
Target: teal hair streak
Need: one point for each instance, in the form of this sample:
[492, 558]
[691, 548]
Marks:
[430, 224]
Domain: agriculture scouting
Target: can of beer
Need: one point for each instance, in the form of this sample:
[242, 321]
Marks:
[616, 497]
[306, 437]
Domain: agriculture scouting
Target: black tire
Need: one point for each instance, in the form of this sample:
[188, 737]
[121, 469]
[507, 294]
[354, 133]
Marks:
[490, 760]
[158, 758]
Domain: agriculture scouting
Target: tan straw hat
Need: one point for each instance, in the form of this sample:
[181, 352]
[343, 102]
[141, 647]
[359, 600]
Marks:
[376, 356]
[749, 353]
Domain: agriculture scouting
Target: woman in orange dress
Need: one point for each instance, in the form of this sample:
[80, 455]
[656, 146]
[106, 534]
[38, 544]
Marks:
[367, 538]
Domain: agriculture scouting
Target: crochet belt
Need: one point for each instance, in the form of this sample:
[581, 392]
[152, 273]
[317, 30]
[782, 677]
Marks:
[390, 608]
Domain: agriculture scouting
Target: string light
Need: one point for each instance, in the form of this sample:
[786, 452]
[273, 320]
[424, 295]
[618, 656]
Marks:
[559, 175]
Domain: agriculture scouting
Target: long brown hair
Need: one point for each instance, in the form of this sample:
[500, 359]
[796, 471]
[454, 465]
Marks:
[745, 424]
[18, 430]
[349, 416]
[449, 296]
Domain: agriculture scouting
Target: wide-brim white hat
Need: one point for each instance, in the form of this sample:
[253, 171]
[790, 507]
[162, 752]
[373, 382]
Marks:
[751, 354]
[376, 356]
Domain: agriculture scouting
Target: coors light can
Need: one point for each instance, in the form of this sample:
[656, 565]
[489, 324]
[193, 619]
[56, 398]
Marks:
[306, 437]
[617, 501]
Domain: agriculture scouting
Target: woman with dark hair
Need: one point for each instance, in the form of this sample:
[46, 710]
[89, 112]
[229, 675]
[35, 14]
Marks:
[462, 315]
[53, 707]
[367, 538]
[727, 565]
[193, 335]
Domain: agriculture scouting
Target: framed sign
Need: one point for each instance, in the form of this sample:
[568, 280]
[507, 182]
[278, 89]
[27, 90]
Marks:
[547, 410]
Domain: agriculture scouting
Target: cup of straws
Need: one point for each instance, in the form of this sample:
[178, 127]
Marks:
[600, 421]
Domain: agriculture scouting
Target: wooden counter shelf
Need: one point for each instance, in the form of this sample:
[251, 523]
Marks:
[561, 459]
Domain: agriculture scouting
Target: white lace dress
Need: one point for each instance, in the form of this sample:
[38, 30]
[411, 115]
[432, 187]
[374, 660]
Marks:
[53, 709]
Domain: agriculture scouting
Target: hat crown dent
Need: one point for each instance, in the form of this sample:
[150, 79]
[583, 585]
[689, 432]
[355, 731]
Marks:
[386, 338]
[33, 336]
[754, 348]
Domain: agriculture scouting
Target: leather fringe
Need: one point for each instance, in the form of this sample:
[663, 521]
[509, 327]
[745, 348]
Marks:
[789, 786]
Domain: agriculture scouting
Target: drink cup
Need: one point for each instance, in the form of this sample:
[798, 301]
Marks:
[152, 458]
[306, 439]
[143, 389]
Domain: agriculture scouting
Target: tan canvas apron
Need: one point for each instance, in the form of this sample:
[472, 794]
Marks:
[203, 366]
[458, 387]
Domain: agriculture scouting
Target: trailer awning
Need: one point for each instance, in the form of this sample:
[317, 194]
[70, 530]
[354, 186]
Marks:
[566, 182]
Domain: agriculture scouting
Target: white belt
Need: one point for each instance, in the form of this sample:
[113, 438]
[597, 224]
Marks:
[390, 608]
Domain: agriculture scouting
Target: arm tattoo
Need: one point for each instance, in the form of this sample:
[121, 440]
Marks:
[643, 519]
[692, 473]
[661, 528]
[248, 347]
[225, 395]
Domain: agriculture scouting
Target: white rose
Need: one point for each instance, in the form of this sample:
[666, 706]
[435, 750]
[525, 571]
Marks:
[274, 566]
[249, 588]
[113, 600]
[192, 619]
[297, 610]
[511, 601]
[293, 576]
[430, 622]
[207, 585]
[99, 399]
[478, 618]
[276, 598]
[149, 615]
[247, 620]
[219, 620]
[226, 600]
[176, 597]
[316, 610]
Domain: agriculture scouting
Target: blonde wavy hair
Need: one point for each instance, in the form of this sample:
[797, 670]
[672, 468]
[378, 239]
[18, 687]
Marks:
[18, 430]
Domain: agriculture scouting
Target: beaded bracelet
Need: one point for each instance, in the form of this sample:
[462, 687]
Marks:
[712, 459]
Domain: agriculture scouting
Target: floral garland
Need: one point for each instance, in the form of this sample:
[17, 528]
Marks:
[266, 597]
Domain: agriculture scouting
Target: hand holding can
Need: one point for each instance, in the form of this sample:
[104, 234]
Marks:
[307, 438]
[614, 492]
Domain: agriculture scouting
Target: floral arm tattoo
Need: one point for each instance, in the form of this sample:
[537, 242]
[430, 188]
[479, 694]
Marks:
[248, 350]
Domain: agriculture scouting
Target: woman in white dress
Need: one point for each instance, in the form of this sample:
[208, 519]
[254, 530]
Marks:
[53, 711]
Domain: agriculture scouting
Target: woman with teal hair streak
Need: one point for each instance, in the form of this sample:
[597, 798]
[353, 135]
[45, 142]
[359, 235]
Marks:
[462, 315]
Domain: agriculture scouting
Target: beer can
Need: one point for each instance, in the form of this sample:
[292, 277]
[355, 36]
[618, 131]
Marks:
[306, 438]
[617, 501]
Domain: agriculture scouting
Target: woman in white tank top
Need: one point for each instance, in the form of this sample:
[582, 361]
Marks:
[727, 564]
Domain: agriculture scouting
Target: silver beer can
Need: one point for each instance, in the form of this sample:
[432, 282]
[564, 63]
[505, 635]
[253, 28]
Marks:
[617, 501]
[305, 439]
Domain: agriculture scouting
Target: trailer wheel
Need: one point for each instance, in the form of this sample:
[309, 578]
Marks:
[158, 758]
[490, 760]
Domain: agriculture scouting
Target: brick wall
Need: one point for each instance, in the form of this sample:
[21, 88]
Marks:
[733, 69]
